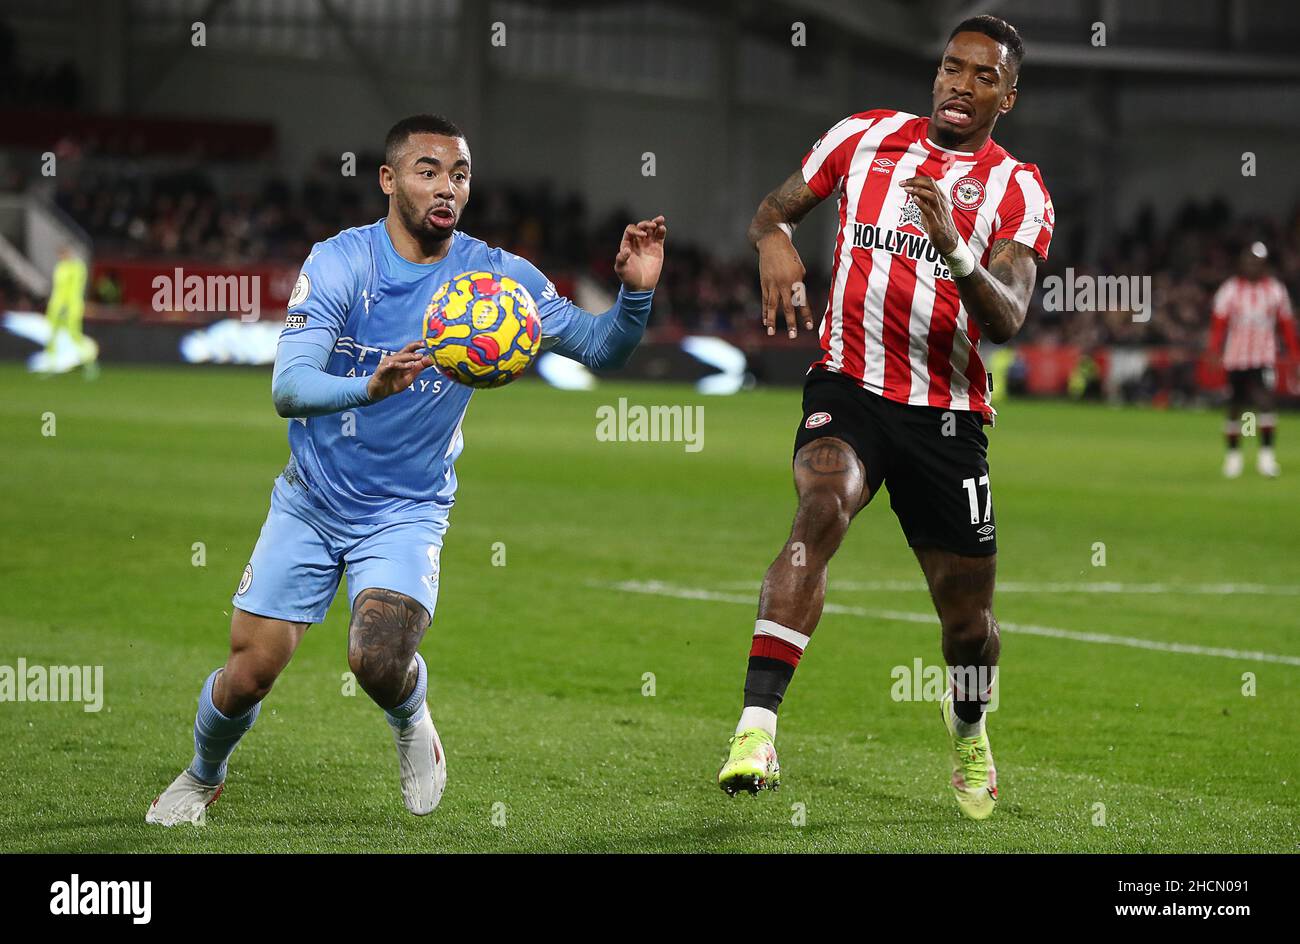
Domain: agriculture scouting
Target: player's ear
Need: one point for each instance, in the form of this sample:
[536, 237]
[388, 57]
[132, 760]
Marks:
[1008, 101]
[386, 179]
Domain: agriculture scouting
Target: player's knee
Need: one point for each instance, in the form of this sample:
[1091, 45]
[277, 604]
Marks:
[824, 515]
[383, 678]
[385, 632]
[248, 681]
[365, 668]
[968, 628]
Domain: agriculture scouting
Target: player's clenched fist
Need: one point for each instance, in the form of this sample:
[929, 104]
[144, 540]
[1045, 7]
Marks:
[936, 217]
[397, 371]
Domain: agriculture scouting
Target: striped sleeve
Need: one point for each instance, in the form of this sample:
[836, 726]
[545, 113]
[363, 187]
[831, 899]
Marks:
[1220, 308]
[827, 164]
[1026, 213]
[1286, 321]
[1219, 318]
[1283, 302]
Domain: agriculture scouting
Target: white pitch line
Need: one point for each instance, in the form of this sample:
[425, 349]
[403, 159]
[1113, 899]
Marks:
[1013, 586]
[657, 588]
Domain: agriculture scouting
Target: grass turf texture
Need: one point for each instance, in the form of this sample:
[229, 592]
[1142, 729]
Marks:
[537, 668]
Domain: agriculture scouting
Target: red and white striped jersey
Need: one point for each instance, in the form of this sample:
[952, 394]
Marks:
[1250, 312]
[894, 321]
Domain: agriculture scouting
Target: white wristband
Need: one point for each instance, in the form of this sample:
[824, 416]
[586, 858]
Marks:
[961, 261]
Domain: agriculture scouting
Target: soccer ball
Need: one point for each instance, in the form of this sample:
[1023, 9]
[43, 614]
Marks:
[482, 329]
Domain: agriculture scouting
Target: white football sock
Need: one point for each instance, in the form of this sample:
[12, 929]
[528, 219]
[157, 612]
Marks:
[754, 717]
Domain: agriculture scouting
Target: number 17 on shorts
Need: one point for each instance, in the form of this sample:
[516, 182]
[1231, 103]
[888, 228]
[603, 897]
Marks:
[981, 507]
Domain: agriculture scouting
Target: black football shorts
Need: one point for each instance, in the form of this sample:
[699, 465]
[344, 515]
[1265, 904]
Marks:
[1247, 386]
[933, 461]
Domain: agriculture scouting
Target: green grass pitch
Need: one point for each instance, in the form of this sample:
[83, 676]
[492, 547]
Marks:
[1123, 725]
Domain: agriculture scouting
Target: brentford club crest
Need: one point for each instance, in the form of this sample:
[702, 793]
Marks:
[817, 419]
[967, 194]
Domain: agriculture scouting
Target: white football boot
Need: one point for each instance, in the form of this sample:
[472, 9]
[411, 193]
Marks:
[1266, 464]
[184, 801]
[421, 762]
[1232, 463]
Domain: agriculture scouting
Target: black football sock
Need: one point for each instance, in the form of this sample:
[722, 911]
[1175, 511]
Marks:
[968, 709]
[766, 681]
[972, 686]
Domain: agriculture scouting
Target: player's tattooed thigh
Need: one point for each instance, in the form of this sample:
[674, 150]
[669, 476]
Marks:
[827, 456]
[386, 630]
[831, 466]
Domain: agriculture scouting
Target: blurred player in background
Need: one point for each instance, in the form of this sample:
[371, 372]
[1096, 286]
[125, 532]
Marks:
[67, 346]
[940, 231]
[374, 434]
[1248, 310]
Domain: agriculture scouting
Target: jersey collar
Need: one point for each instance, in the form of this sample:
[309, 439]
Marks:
[399, 263]
[959, 155]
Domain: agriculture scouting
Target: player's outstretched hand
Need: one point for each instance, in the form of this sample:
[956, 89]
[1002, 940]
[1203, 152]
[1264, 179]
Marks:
[781, 274]
[640, 256]
[397, 371]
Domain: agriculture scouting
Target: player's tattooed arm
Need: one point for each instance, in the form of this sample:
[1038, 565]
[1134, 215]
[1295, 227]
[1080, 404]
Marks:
[780, 270]
[998, 295]
[788, 204]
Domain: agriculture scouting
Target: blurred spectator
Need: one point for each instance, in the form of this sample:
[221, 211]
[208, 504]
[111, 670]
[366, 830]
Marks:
[195, 213]
[1187, 262]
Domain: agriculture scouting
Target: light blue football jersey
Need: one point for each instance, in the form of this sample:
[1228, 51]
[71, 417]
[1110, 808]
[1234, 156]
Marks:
[357, 299]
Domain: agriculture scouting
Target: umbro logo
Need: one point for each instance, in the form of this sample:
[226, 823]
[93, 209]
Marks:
[987, 529]
[882, 165]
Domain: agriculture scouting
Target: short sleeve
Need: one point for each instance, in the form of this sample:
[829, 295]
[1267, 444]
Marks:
[1222, 300]
[827, 164]
[1284, 312]
[1026, 214]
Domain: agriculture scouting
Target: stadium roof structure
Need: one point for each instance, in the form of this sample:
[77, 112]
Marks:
[1220, 37]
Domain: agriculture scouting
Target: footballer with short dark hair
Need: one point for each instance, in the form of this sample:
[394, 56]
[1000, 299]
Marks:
[1249, 308]
[940, 231]
[374, 434]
